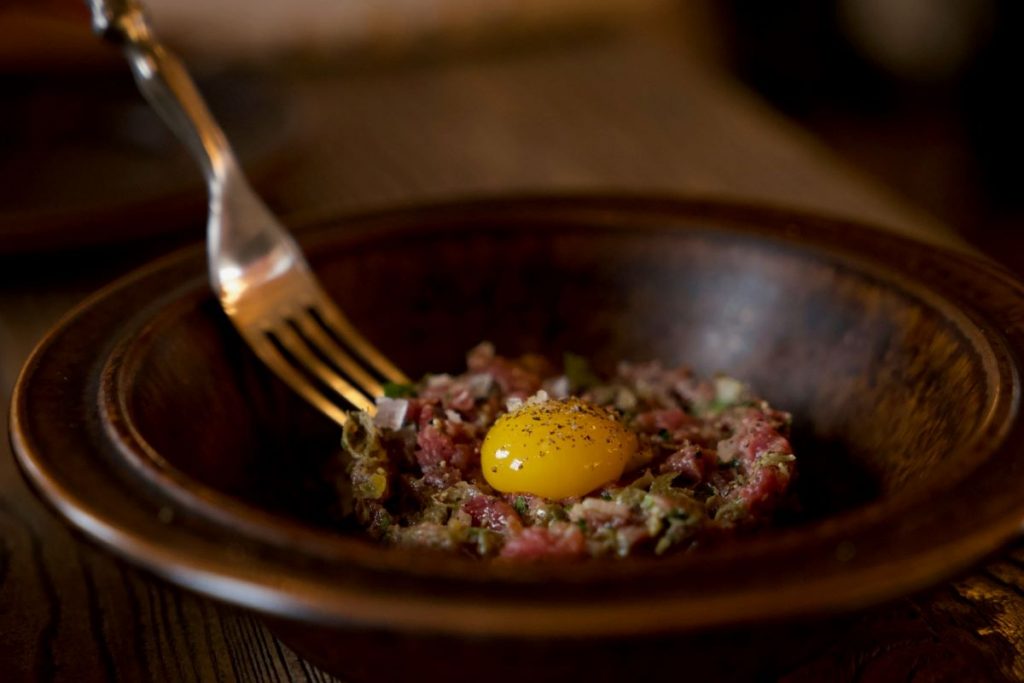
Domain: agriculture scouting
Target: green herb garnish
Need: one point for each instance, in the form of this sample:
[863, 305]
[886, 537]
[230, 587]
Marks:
[396, 390]
[520, 505]
[578, 372]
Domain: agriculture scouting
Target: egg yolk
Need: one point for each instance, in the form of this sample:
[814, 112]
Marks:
[556, 449]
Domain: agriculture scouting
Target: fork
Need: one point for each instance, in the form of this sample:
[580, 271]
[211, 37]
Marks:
[257, 270]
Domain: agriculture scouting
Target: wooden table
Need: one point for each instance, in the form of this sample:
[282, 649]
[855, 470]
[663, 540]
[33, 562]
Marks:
[605, 112]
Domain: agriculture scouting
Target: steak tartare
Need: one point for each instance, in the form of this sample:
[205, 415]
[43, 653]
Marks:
[491, 462]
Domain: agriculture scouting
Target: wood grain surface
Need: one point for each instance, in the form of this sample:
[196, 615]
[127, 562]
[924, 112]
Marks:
[610, 113]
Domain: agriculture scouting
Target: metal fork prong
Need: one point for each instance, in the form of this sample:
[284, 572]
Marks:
[341, 328]
[312, 330]
[283, 368]
[292, 342]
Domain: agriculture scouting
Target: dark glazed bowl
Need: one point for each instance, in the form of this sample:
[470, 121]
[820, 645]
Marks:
[146, 423]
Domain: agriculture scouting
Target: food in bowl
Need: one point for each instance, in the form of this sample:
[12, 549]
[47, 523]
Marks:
[516, 459]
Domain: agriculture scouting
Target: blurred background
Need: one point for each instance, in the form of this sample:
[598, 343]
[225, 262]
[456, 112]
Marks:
[916, 93]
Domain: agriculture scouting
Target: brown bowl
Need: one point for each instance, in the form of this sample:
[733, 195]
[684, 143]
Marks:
[150, 427]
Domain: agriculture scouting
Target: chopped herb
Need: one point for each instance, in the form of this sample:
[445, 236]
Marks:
[775, 459]
[716, 406]
[582, 524]
[663, 483]
[383, 521]
[643, 481]
[606, 495]
[664, 435]
[396, 390]
[578, 372]
[678, 530]
[731, 512]
[520, 505]
[550, 512]
[630, 497]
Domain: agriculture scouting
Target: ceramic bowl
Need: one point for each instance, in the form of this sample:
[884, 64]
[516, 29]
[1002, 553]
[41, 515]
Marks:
[144, 421]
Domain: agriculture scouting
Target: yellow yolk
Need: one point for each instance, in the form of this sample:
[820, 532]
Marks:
[556, 449]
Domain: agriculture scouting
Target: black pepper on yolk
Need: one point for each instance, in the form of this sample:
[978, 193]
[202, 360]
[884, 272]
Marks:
[556, 449]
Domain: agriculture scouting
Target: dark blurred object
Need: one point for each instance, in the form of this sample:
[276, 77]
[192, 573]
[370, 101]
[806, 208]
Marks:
[228, 31]
[49, 35]
[83, 159]
[918, 92]
[993, 110]
[88, 162]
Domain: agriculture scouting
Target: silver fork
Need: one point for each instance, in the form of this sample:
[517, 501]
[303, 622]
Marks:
[256, 268]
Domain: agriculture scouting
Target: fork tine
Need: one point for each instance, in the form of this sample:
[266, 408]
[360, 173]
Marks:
[314, 333]
[338, 324]
[300, 349]
[284, 369]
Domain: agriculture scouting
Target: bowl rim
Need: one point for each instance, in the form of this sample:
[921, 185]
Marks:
[380, 591]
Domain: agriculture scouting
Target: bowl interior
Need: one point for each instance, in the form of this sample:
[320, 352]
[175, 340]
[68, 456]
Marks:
[889, 384]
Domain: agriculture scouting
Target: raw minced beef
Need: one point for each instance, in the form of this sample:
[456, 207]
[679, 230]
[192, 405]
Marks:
[713, 460]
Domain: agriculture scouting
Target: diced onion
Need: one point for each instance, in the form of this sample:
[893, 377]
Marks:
[625, 399]
[604, 509]
[557, 387]
[442, 380]
[540, 397]
[390, 412]
[480, 384]
[728, 390]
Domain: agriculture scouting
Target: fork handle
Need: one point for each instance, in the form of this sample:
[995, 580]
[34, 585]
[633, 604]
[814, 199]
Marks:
[165, 83]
